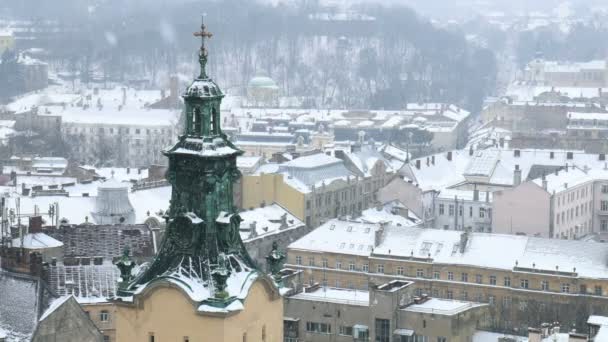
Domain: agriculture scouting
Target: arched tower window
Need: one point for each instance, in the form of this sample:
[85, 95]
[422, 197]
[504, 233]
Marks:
[196, 121]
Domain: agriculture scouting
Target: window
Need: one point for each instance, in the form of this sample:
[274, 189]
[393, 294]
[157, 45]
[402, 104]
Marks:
[598, 290]
[524, 283]
[544, 285]
[104, 316]
[506, 301]
[460, 210]
[565, 288]
[186, 339]
[507, 281]
[351, 266]
[383, 333]
[471, 211]
[319, 328]
[450, 275]
[605, 188]
[400, 270]
[451, 210]
[482, 212]
[492, 280]
[436, 275]
[449, 294]
[491, 300]
[380, 268]
[338, 265]
[264, 334]
[245, 337]
[365, 267]
[604, 205]
[311, 261]
[420, 273]
[478, 278]
[604, 225]
[442, 339]
[582, 289]
[298, 260]
[346, 331]
[137, 131]
[151, 337]
[325, 263]
[441, 209]
[106, 338]
[464, 277]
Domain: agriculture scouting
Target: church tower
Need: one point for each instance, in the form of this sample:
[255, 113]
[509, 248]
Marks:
[202, 271]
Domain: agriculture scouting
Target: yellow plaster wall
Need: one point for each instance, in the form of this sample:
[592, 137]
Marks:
[271, 188]
[170, 316]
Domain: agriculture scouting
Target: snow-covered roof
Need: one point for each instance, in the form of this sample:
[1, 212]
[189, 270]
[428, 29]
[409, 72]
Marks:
[55, 304]
[340, 236]
[496, 165]
[312, 161]
[268, 220]
[386, 214]
[588, 116]
[36, 241]
[87, 283]
[335, 295]
[497, 251]
[488, 336]
[597, 320]
[440, 306]
[565, 180]
[142, 117]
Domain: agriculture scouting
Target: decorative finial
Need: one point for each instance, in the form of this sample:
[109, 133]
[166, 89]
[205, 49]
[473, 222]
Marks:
[202, 53]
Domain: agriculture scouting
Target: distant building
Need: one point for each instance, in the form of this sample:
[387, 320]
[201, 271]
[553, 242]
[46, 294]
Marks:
[317, 187]
[262, 91]
[523, 279]
[592, 74]
[7, 40]
[388, 311]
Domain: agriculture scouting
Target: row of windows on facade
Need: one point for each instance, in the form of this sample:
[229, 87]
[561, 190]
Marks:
[152, 337]
[574, 212]
[483, 212]
[383, 332]
[464, 277]
[579, 193]
[103, 130]
[343, 195]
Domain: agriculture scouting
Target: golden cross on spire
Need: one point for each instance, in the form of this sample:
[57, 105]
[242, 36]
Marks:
[202, 54]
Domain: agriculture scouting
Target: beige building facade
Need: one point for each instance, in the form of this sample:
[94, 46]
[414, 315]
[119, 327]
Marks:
[510, 273]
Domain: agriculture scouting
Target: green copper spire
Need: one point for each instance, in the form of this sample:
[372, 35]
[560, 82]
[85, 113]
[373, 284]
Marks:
[202, 240]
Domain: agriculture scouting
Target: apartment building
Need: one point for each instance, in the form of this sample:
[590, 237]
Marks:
[386, 312]
[316, 188]
[522, 278]
[566, 204]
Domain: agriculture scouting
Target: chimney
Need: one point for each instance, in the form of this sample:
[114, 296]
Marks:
[487, 197]
[517, 176]
[464, 238]
[378, 234]
[449, 155]
[433, 159]
[501, 141]
[545, 185]
[471, 150]
[418, 164]
[534, 335]
[428, 161]
[124, 96]
[566, 167]
[128, 170]
[599, 92]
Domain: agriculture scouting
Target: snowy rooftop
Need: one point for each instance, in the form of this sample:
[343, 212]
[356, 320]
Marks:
[387, 214]
[588, 116]
[36, 241]
[439, 306]
[529, 92]
[497, 251]
[487, 336]
[495, 164]
[597, 320]
[565, 180]
[88, 283]
[267, 220]
[113, 116]
[494, 251]
[335, 295]
[339, 236]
